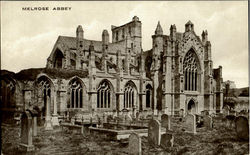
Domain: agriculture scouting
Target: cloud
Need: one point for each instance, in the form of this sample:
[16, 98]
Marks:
[28, 37]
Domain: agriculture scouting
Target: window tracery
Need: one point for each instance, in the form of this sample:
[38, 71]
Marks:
[190, 69]
[104, 95]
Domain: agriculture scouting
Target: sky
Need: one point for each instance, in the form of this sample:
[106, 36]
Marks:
[27, 37]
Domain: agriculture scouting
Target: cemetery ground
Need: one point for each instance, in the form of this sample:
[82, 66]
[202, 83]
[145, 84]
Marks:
[219, 140]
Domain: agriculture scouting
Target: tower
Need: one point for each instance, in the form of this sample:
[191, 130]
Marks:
[156, 66]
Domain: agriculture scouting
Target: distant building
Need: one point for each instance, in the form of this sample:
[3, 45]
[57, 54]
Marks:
[88, 76]
[230, 83]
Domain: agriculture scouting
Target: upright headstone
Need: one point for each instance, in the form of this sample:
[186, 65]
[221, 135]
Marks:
[242, 127]
[167, 140]
[128, 118]
[26, 132]
[181, 113]
[137, 116]
[134, 144]
[165, 121]
[204, 113]
[190, 123]
[154, 132]
[226, 110]
[208, 121]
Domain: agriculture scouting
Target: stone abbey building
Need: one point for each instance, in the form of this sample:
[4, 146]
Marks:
[88, 76]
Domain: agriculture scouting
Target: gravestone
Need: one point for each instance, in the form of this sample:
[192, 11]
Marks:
[190, 123]
[128, 118]
[181, 113]
[242, 127]
[154, 132]
[204, 113]
[134, 144]
[226, 110]
[26, 132]
[230, 121]
[165, 121]
[137, 116]
[167, 140]
[208, 121]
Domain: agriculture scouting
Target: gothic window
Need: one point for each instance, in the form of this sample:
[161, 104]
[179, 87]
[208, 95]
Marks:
[148, 96]
[58, 59]
[104, 95]
[7, 93]
[190, 69]
[44, 91]
[129, 30]
[129, 96]
[73, 63]
[116, 36]
[76, 94]
[123, 33]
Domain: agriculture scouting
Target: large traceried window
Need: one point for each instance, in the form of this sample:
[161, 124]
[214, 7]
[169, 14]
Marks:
[104, 95]
[190, 69]
[44, 92]
[76, 94]
[129, 95]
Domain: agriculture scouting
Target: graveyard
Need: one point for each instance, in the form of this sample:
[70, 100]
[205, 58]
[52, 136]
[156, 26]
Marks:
[190, 134]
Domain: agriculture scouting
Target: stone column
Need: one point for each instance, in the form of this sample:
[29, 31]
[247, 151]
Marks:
[34, 126]
[48, 124]
[121, 101]
[54, 120]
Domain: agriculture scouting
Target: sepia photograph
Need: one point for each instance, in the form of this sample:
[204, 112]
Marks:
[124, 77]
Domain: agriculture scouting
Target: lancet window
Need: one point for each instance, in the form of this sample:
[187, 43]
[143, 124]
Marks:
[76, 94]
[104, 95]
[129, 96]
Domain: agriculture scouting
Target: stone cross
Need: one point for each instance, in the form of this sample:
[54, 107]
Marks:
[134, 144]
[190, 123]
[167, 140]
[165, 121]
[154, 132]
[208, 121]
[242, 127]
[26, 132]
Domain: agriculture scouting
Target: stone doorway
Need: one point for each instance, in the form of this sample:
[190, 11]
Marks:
[191, 107]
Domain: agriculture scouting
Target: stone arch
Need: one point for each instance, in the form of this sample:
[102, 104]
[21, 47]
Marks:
[191, 106]
[76, 94]
[58, 58]
[8, 88]
[45, 94]
[191, 70]
[149, 95]
[105, 95]
[130, 95]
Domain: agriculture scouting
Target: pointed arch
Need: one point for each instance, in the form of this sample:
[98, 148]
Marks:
[105, 96]
[191, 106]
[130, 95]
[8, 87]
[76, 91]
[191, 69]
[58, 58]
[149, 95]
[44, 88]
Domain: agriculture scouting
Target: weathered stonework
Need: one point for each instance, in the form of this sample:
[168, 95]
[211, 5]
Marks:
[92, 77]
